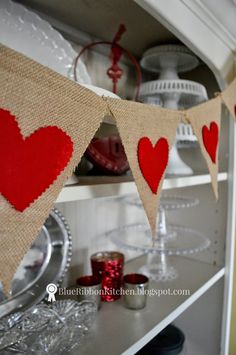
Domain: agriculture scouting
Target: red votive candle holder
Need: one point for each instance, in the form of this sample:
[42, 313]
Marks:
[108, 265]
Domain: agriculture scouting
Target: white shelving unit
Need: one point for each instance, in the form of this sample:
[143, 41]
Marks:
[204, 314]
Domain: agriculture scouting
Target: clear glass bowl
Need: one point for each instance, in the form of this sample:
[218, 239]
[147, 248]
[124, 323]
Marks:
[47, 329]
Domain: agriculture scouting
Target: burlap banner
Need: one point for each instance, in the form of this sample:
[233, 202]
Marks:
[46, 123]
[229, 98]
[147, 133]
[205, 121]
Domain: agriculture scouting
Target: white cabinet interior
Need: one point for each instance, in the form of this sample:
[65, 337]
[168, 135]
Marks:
[207, 274]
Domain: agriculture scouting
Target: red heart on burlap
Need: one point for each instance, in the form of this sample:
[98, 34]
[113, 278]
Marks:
[210, 139]
[153, 160]
[30, 165]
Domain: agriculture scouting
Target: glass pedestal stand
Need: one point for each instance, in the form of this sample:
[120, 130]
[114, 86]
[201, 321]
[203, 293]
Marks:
[158, 268]
[137, 237]
[170, 240]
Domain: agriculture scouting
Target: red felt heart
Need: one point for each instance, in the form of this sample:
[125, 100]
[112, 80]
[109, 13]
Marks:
[153, 160]
[210, 139]
[30, 165]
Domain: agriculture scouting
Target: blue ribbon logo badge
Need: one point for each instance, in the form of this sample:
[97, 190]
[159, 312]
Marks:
[51, 290]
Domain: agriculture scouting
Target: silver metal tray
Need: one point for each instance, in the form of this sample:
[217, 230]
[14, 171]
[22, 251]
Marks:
[46, 262]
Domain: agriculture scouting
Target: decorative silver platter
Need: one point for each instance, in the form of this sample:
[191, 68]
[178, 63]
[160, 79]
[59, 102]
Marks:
[46, 262]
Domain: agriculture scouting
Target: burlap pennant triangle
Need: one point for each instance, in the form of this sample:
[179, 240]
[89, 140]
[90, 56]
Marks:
[205, 120]
[50, 120]
[229, 98]
[147, 133]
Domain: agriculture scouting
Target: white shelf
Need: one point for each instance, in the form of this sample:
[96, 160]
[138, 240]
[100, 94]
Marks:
[118, 186]
[118, 330]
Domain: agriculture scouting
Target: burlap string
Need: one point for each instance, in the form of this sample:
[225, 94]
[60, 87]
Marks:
[202, 115]
[134, 121]
[39, 97]
[229, 98]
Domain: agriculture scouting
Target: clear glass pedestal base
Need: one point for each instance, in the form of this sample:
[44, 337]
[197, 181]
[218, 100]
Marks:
[182, 241]
[156, 273]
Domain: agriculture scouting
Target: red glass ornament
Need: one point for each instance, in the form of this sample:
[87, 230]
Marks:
[109, 266]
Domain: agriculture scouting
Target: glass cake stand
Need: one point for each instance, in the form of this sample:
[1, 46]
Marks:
[167, 203]
[170, 239]
[137, 237]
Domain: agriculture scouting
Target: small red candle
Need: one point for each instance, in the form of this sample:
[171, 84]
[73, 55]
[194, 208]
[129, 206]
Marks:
[109, 266]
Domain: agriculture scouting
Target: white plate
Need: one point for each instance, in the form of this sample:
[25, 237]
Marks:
[25, 32]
